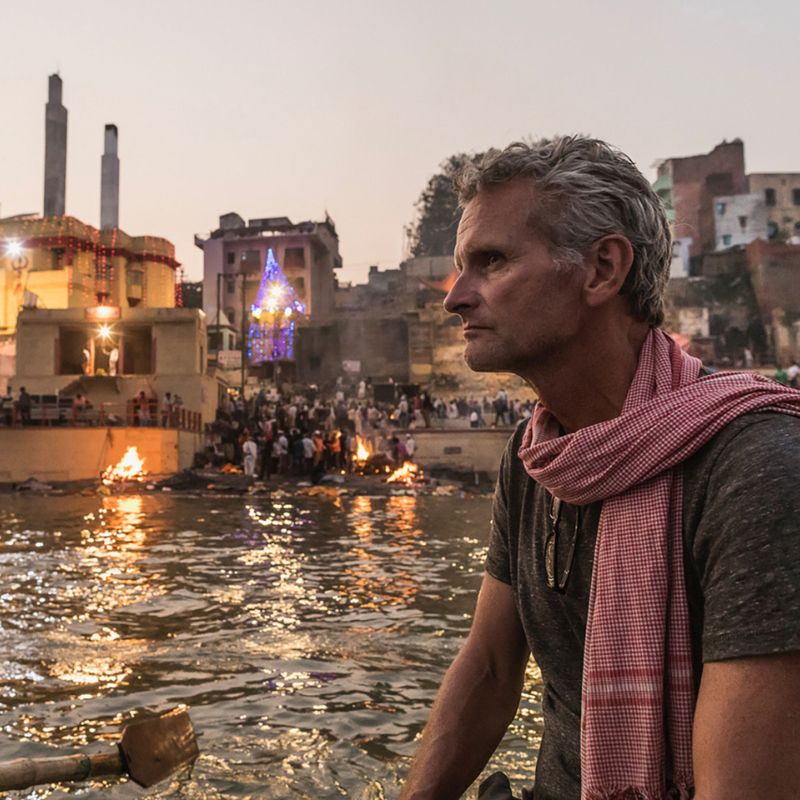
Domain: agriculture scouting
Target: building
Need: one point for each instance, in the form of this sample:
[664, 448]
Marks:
[234, 256]
[781, 193]
[688, 186]
[57, 261]
[739, 219]
[111, 354]
[61, 262]
[395, 327]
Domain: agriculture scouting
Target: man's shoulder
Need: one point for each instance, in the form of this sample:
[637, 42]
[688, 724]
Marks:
[769, 434]
[752, 461]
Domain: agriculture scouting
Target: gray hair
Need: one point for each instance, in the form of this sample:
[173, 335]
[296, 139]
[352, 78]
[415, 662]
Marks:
[586, 189]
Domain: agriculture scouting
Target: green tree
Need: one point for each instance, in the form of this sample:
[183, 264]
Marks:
[434, 231]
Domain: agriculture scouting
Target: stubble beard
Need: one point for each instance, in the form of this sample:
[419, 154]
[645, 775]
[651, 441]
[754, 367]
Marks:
[487, 358]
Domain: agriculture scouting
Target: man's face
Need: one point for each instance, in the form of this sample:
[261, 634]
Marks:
[518, 309]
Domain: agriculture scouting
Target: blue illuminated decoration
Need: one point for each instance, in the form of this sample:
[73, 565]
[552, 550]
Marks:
[273, 317]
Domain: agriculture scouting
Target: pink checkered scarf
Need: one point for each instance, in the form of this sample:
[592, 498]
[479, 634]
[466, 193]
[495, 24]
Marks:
[638, 693]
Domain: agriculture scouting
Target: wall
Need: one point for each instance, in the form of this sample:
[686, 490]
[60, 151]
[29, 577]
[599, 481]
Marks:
[696, 180]
[729, 213]
[380, 343]
[73, 454]
[785, 214]
[468, 450]
[775, 275]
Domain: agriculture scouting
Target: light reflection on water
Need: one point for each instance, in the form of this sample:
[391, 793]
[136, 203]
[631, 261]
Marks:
[307, 636]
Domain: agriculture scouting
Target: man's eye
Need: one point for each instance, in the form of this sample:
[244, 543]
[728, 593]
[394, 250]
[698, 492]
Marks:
[493, 259]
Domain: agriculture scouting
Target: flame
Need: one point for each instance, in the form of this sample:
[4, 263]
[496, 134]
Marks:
[409, 473]
[363, 451]
[129, 468]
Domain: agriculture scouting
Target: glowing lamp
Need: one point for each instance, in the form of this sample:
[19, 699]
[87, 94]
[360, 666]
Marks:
[13, 248]
[105, 331]
[102, 313]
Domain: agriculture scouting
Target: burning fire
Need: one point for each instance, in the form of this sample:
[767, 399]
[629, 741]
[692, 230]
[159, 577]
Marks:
[408, 474]
[129, 468]
[363, 451]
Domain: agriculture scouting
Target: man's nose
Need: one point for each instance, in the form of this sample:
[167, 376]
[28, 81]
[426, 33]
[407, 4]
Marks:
[461, 296]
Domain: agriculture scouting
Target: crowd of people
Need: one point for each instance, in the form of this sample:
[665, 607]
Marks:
[306, 433]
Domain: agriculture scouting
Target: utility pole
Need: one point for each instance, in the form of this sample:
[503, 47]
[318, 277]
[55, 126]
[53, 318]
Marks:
[219, 333]
[244, 330]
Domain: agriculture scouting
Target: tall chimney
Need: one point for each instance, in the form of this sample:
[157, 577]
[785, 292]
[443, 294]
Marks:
[109, 181]
[55, 150]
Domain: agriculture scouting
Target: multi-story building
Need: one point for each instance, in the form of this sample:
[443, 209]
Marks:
[781, 193]
[61, 262]
[688, 187]
[739, 219]
[234, 256]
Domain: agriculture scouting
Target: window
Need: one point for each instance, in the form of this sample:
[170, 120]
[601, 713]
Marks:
[796, 196]
[769, 197]
[134, 282]
[743, 222]
[72, 342]
[58, 257]
[721, 209]
[772, 230]
[299, 285]
[137, 351]
[231, 258]
[294, 258]
[251, 261]
[726, 240]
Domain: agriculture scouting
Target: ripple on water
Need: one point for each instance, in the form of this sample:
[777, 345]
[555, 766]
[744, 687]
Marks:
[307, 636]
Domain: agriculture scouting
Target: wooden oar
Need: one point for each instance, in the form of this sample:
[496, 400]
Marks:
[150, 750]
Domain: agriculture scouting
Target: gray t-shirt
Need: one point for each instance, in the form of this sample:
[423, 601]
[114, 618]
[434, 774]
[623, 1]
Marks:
[741, 520]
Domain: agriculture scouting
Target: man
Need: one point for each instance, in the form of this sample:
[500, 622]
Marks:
[644, 542]
[500, 405]
[309, 451]
[249, 456]
[24, 405]
[166, 410]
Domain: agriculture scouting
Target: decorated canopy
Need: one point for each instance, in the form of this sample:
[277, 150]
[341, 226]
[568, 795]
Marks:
[273, 317]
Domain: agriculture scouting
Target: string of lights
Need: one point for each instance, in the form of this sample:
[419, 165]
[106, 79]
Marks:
[273, 317]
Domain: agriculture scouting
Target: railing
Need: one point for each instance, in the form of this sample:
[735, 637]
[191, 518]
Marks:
[164, 417]
[57, 410]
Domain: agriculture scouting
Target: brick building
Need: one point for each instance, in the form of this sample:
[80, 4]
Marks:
[781, 194]
[688, 186]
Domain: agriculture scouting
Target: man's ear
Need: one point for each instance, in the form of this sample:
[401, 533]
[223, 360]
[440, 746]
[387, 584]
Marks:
[608, 263]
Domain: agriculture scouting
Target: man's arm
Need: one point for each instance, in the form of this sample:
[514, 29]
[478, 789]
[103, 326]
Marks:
[747, 729]
[476, 701]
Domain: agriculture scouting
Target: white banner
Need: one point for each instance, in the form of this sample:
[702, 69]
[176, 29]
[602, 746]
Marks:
[229, 359]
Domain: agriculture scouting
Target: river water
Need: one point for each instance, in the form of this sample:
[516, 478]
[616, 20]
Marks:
[307, 635]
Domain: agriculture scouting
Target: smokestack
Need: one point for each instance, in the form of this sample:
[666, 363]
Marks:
[109, 181]
[55, 150]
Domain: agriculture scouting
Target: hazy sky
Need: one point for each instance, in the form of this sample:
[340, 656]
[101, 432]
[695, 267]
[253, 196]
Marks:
[289, 109]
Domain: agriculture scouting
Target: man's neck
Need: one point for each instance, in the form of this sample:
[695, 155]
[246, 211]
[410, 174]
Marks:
[590, 386]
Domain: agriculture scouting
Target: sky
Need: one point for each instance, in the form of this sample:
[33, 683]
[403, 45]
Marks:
[298, 108]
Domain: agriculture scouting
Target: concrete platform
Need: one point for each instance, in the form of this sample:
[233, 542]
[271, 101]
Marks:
[76, 454]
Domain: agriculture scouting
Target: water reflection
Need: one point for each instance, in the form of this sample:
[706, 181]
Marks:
[380, 573]
[307, 638]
